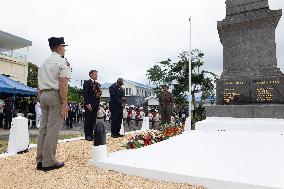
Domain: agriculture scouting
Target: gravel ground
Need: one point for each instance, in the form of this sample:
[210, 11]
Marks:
[19, 171]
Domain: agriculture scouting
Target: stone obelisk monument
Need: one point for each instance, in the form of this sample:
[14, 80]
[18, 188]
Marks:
[251, 85]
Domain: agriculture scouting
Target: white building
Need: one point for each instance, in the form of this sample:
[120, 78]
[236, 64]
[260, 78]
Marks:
[13, 57]
[152, 101]
[135, 93]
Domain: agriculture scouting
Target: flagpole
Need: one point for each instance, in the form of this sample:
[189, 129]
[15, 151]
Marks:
[189, 78]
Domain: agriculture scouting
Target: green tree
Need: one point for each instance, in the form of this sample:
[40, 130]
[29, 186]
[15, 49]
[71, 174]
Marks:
[176, 75]
[32, 75]
[75, 94]
[202, 82]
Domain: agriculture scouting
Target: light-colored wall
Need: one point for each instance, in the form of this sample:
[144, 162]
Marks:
[105, 92]
[129, 86]
[17, 69]
[144, 92]
[153, 102]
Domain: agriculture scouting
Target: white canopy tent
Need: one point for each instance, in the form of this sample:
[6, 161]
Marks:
[9, 42]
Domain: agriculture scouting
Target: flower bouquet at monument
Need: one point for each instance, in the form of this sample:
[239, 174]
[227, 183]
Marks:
[142, 139]
[172, 131]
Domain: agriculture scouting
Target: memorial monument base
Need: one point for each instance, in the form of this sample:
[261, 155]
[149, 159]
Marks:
[246, 111]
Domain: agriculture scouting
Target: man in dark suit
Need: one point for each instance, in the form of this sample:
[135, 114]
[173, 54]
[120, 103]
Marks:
[116, 104]
[92, 93]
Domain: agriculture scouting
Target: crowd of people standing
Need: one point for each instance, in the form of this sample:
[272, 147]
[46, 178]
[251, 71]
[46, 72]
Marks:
[133, 117]
[10, 106]
[76, 114]
[6, 112]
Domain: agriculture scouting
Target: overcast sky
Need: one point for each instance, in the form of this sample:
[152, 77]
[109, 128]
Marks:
[122, 38]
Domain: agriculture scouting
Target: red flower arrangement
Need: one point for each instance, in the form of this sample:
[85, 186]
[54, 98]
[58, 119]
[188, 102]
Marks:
[142, 139]
[172, 131]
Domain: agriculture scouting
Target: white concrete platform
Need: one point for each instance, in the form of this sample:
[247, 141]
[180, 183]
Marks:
[215, 159]
[241, 124]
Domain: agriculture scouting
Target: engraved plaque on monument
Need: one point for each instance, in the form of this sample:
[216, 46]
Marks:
[250, 75]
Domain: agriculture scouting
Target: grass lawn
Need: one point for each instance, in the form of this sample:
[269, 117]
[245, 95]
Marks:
[4, 143]
[3, 146]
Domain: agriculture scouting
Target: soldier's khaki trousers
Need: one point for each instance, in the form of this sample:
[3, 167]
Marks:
[166, 112]
[50, 125]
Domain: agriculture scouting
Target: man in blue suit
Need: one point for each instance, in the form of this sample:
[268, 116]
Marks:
[117, 101]
[92, 93]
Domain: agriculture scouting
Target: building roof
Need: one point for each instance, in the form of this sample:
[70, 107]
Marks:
[140, 84]
[107, 85]
[11, 42]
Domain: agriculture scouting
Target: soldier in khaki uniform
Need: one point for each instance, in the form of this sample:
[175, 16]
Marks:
[166, 105]
[156, 120]
[53, 78]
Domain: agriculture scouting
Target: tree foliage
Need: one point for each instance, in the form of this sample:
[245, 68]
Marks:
[32, 75]
[75, 94]
[176, 75]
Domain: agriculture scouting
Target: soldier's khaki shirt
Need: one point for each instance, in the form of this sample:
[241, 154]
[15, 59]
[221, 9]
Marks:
[54, 67]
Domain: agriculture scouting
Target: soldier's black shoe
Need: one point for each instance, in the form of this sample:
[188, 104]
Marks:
[57, 165]
[39, 166]
[88, 138]
[120, 135]
[114, 136]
